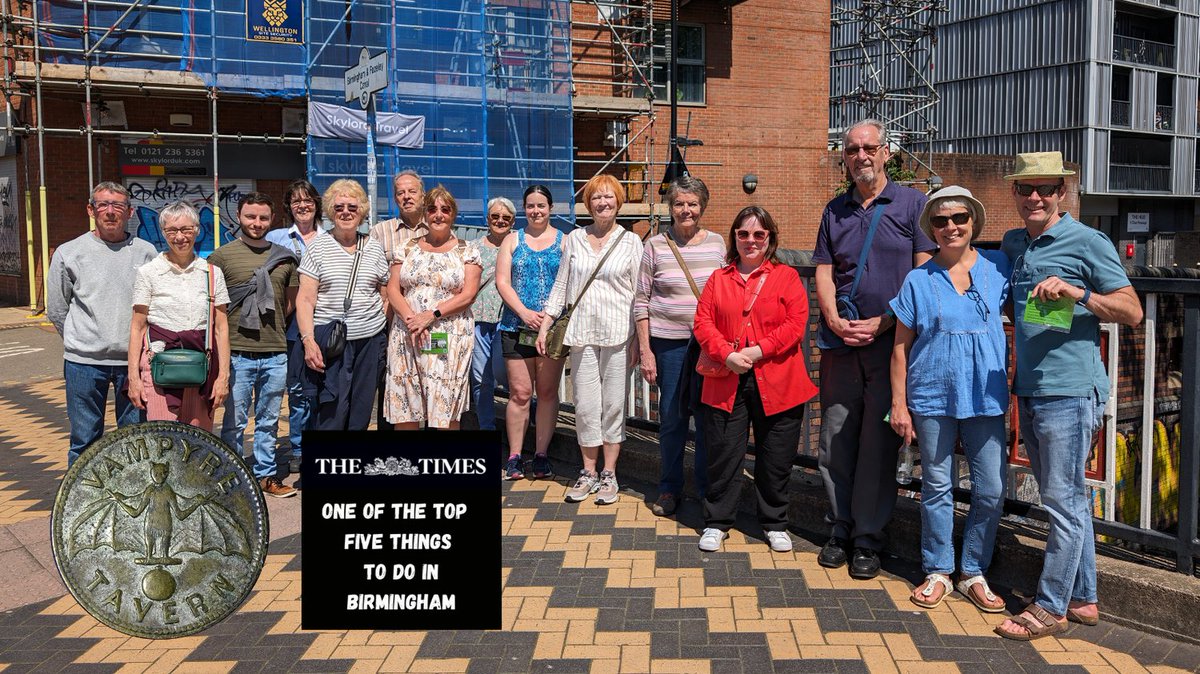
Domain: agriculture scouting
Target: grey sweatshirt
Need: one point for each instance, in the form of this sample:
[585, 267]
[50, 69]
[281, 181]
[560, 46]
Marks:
[89, 296]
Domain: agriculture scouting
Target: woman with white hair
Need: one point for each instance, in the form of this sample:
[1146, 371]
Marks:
[501, 214]
[949, 383]
[179, 304]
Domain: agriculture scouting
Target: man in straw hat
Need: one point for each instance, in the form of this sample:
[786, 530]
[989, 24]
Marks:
[867, 242]
[1066, 280]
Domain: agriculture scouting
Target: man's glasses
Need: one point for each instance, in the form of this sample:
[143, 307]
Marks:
[852, 150]
[1042, 190]
[940, 221]
[110, 205]
[758, 235]
[349, 208]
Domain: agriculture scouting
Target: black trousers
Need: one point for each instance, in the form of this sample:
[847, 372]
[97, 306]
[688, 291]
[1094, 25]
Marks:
[776, 437]
[358, 380]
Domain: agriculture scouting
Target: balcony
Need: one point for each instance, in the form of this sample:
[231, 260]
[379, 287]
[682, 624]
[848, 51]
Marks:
[1145, 52]
[1164, 117]
[1139, 178]
[1121, 114]
[1197, 183]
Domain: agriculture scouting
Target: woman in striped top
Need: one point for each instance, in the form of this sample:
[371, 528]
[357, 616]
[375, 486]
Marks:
[663, 310]
[599, 332]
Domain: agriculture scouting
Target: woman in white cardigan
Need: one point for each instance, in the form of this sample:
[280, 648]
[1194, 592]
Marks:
[600, 333]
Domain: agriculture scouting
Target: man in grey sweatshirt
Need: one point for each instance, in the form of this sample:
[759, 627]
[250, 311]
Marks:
[89, 299]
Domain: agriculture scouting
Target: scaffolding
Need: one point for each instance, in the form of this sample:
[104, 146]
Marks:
[881, 67]
[612, 66]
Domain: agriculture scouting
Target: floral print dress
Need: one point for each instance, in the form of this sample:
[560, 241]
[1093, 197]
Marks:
[421, 386]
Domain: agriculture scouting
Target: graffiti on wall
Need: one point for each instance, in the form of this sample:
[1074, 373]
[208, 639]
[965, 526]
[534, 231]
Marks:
[148, 196]
[10, 238]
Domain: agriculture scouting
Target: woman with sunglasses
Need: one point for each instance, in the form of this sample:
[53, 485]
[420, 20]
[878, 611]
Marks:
[501, 214]
[341, 277]
[949, 383]
[750, 318]
[435, 277]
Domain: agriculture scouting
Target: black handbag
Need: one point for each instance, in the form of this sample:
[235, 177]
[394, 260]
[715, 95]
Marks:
[184, 368]
[335, 342]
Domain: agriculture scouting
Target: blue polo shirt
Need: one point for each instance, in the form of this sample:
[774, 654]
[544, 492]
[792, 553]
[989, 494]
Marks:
[843, 232]
[1051, 363]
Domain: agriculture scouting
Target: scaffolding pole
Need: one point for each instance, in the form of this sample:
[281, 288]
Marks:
[45, 250]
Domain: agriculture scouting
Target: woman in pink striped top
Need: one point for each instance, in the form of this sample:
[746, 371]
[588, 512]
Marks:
[664, 306]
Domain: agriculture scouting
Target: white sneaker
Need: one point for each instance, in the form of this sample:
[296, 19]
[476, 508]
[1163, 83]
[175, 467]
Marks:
[779, 541]
[710, 540]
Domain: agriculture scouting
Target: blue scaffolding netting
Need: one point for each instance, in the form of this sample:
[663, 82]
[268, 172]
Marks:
[491, 80]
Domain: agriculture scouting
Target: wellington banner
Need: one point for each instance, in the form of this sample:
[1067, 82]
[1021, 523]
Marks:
[275, 21]
[391, 128]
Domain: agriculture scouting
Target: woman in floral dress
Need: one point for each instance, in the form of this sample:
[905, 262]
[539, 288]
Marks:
[434, 280]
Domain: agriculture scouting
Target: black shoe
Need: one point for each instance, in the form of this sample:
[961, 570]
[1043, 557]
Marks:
[833, 555]
[294, 465]
[865, 564]
[665, 505]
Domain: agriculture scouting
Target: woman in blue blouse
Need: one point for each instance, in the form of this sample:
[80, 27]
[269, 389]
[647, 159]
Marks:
[949, 382]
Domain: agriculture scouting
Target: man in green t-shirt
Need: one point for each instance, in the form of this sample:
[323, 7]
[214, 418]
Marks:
[262, 282]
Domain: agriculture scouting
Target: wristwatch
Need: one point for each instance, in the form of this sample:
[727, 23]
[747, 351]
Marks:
[437, 313]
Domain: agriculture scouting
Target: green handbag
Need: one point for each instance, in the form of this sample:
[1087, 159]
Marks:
[184, 368]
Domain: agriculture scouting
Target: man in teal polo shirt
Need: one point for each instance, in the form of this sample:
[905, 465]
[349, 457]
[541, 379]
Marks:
[1066, 280]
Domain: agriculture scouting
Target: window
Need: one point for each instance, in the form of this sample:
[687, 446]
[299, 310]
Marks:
[690, 59]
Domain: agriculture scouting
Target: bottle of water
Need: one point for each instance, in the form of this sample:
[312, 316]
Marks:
[904, 464]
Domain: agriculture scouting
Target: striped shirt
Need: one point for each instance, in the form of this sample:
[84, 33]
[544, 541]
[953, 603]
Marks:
[393, 234]
[605, 316]
[664, 295]
[330, 264]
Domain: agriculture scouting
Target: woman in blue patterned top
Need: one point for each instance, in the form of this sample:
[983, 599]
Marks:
[949, 382]
[526, 267]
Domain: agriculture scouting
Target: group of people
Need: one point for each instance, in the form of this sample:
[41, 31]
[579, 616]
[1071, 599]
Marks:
[408, 323]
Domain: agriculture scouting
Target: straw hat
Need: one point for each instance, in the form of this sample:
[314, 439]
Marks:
[957, 194]
[1039, 165]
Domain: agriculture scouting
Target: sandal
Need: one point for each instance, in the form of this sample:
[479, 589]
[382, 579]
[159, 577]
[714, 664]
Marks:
[922, 598]
[1042, 625]
[989, 602]
[1076, 617]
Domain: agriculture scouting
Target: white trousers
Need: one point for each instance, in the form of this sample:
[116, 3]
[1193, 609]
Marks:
[600, 378]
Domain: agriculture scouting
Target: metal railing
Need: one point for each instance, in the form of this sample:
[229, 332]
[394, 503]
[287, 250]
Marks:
[1127, 360]
[1146, 52]
[1121, 114]
[1164, 117]
[1139, 178]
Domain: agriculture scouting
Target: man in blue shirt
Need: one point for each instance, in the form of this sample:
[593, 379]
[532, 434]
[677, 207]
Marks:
[1066, 280]
[858, 448]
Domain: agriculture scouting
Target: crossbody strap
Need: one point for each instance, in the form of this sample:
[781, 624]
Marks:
[679, 258]
[862, 257]
[212, 313]
[595, 271]
[353, 275]
[762, 280]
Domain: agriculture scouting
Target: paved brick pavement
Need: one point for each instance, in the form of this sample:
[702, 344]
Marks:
[587, 588]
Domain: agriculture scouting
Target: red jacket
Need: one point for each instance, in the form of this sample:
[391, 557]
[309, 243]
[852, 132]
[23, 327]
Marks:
[777, 324]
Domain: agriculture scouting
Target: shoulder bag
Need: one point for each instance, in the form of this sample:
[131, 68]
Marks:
[185, 368]
[557, 333]
[335, 343]
[708, 367]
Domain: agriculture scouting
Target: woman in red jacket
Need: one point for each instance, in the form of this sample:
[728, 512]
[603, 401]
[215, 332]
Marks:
[751, 317]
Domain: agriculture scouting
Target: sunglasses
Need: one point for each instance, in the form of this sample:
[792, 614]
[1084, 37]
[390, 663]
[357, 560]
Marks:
[758, 235]
[498, 217]
[940, 221]
[852, 150]
[1042, 190]
[351, 208]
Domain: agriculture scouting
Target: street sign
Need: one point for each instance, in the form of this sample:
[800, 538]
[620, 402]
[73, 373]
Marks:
[369, 76]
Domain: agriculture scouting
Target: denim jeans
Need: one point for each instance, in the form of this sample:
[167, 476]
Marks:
[87, 394]
[670, 356]
[485, 360]
[983, 440]
[1058, 433]
[299, 409]
[258, 379]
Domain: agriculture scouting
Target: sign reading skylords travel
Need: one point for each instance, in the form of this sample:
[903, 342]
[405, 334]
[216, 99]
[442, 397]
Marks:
[275, 21]
[401, 531]
[391, 128]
